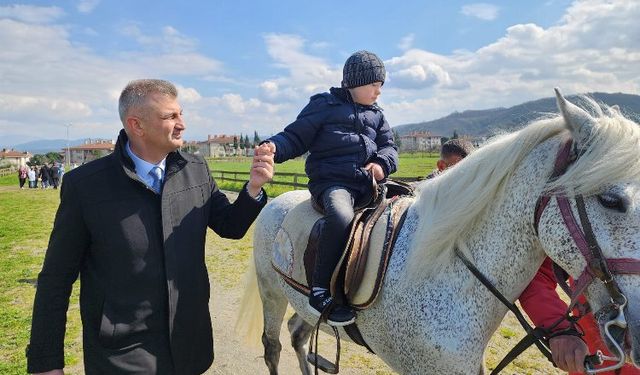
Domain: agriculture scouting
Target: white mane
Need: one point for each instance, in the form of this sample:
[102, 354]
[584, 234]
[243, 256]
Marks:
[457, 201]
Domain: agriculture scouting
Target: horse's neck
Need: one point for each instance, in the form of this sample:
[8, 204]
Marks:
[505, 247]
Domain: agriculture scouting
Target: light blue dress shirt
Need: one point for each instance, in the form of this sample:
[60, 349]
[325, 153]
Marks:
[144, 167]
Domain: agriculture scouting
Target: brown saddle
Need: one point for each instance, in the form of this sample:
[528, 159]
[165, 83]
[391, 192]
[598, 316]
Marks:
[358, 277]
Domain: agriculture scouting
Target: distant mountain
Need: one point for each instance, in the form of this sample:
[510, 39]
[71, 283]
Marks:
[488, 121]
[43, 146]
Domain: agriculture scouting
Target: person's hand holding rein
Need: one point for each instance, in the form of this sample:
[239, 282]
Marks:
[569, 352]
[376, 170]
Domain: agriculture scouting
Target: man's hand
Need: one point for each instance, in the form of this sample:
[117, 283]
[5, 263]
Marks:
[261, 168]
[568, 352]
[52, 372]
[376, 170]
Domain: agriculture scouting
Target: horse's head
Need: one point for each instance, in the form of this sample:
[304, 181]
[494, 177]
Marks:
[592, 226]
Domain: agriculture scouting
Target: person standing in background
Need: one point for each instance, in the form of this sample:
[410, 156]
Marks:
[22, 175]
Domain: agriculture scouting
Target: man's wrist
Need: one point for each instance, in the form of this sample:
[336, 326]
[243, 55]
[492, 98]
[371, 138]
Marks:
[255, 192]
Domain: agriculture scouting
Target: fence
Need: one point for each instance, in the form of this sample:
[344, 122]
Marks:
[294, 180]
[7, 171]
[297, 180]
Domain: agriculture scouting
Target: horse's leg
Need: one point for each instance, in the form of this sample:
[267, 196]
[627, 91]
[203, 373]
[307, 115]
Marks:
[274, 305]
[300, 333]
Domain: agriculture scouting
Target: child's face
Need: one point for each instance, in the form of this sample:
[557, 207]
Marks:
[367, 94]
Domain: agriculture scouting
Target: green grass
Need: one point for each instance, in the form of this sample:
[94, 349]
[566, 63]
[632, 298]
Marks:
[26, 220]
[9, 180]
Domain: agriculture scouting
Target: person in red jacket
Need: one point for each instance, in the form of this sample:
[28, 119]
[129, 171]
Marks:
[543, 305]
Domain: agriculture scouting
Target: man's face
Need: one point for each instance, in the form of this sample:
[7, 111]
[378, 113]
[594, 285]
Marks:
[162, 122]
[367, 94]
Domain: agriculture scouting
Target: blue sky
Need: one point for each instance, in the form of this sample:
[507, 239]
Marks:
[245, 66]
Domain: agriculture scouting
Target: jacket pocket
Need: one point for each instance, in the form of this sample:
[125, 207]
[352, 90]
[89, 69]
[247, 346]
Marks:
[107, 333]
[117, 328]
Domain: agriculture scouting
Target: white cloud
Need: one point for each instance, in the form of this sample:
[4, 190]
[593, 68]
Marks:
[269, 89]
[483, 11]
[231, 113]
[188, 94]
[30, 13]
[169, 40]
[406, 42]
[87, 6]
[48, 80]
[594, 47]
[417, 69]
[44, 107]
[306, 72]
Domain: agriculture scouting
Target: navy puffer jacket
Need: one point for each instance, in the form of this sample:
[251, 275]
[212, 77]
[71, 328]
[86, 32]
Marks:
[341, 137]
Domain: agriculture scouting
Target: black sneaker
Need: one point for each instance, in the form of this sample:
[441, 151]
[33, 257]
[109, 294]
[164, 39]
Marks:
[339, 315]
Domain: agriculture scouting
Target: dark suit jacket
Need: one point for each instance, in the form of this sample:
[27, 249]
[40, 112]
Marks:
[144, 285]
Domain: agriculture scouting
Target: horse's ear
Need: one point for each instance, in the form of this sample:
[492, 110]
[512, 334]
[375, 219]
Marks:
[576, 119]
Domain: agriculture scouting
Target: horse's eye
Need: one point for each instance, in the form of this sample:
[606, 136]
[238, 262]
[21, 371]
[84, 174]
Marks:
[613, 202]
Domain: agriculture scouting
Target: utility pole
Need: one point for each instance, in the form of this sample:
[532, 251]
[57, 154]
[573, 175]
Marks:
[67, 156]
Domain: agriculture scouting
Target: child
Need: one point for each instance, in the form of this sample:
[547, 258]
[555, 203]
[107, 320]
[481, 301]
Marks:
[452, 152]
[349, 141]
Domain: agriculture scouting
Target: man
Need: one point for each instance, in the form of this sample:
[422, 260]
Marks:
[540, 299]
[54, 170]
[451, 153]
[133, 225]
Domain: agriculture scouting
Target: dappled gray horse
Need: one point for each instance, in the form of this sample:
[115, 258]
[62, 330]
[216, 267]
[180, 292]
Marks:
[432, 315]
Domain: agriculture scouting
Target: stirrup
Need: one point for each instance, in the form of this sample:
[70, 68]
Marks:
[318, 361]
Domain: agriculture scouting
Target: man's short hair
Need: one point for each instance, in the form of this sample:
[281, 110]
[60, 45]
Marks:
[136, 92]
[457, 146]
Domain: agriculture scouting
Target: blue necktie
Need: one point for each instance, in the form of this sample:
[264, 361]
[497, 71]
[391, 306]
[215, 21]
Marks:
[156, 175]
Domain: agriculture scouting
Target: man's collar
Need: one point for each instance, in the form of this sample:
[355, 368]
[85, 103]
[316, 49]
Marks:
[142, 166]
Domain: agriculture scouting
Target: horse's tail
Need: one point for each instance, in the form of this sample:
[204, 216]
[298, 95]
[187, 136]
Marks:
[249, 324]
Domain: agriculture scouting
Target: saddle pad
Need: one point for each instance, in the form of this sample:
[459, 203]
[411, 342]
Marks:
[291, 241]
[365, 293]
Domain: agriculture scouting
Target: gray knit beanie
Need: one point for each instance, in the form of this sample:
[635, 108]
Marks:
[362, 68]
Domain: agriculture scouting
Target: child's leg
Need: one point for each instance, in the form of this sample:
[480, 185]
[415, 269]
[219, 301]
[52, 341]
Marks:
[338, 207]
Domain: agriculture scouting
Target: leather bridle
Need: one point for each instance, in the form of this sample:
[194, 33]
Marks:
[597, 265]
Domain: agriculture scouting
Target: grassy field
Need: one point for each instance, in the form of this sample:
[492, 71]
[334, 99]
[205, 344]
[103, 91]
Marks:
[26, 219]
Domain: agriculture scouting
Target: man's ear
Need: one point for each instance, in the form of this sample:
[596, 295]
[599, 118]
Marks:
[134, 126]
[441, 165]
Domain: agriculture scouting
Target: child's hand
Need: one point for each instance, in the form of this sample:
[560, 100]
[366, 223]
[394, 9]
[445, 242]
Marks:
[261, 168]
[267, 148]
[376, 170]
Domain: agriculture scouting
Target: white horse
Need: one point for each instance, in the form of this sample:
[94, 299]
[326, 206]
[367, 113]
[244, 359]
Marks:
[432, 315]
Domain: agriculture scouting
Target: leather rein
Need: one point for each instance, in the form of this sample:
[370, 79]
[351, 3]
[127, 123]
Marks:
[597, 267]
